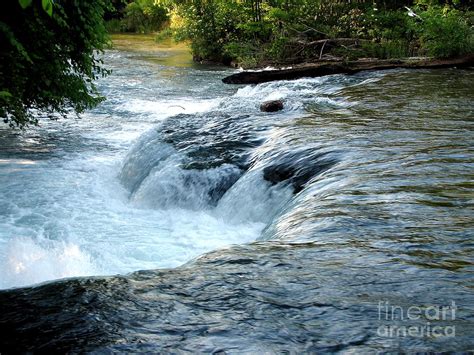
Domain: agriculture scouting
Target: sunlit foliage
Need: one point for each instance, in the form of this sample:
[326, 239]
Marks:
[252, 31]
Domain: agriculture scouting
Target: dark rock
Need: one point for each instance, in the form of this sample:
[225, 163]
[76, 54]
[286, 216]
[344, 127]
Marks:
[227, 143]
[272, 106]
[297, 168]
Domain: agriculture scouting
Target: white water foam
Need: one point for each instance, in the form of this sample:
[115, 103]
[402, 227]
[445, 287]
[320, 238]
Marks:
[80, 222]
[29, 261]
[252, 199]
[167, 108]
[67, 214]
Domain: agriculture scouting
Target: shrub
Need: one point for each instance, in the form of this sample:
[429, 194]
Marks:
[114, 25]
[163, 35]
[143, 16]
[444, 32]
[244, 53]
[387, 49]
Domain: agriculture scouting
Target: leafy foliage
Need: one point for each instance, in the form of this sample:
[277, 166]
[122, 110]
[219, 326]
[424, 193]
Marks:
[252, 31]
[139, 16]
[49, 58]
[444, 32]
[143, 16]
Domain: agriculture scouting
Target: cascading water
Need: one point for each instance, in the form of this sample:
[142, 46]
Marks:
[79, 204]
[257, 232]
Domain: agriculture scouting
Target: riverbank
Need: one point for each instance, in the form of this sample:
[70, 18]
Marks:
[323, 68]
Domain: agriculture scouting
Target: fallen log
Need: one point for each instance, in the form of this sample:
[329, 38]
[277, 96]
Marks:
[334, 41]
[328, 68]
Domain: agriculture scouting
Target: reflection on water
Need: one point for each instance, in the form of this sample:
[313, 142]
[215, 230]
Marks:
[163, 52]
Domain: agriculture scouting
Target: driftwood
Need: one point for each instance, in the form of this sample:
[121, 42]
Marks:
[351, 67]
[334, 41]
[323, 42]
[297, 46]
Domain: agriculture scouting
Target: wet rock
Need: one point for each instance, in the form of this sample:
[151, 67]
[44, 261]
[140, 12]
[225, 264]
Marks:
[272, 106]
[227, 143]
[297, 168]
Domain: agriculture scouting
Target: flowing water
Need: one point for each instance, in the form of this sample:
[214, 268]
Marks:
[234, 230]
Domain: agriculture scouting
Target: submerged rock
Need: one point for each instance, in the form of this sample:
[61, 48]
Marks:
[297, 168]
[272, 106]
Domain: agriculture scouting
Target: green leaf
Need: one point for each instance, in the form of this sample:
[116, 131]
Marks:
[47, 6]
[25, 3]
[5, 94]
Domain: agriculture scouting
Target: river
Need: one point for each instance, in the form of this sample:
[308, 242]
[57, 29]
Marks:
[178, 217]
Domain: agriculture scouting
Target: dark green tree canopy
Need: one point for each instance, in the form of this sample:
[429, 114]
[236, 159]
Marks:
[49, 57]
[253, 33]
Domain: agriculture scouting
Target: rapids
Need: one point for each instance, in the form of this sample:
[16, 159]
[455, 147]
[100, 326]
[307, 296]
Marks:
[234, 230]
